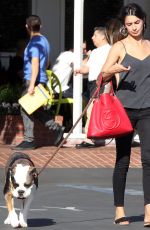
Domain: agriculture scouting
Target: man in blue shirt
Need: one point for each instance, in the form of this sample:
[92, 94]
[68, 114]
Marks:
[36, 61]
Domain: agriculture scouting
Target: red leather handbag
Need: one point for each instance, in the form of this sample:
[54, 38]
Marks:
[108, 117]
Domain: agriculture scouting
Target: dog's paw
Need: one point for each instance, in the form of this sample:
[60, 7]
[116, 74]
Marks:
[7, 220]
[22, 220]
[23, 224]
[14, 220]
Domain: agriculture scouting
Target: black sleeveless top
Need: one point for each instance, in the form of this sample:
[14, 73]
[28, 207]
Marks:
[134, 86]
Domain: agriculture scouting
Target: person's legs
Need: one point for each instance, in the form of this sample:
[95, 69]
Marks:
[91, 89]
[88, 114]
[28, 123]
[143, 128]
[90, 143]
[28, 120]
[68, 93]
[48, 121]
[123, 150]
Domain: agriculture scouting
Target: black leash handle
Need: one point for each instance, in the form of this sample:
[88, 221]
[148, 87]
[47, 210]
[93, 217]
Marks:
[64, 140]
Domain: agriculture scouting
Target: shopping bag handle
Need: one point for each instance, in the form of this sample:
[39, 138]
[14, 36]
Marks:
[100, 83]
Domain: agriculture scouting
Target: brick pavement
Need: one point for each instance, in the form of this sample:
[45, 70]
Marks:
[70, 157]
[11, 132]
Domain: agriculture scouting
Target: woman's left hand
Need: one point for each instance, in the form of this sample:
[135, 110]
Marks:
[118, 68]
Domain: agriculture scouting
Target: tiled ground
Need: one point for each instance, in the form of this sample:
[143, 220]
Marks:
[70, 157]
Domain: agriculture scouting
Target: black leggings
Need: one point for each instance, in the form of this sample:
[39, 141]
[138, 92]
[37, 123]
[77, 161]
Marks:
[140, 119]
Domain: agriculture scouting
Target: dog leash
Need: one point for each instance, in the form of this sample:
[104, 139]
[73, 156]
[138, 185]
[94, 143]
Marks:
[64, 140]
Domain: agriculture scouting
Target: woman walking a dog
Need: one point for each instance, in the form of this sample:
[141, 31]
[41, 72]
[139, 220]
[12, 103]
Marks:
[130, 57]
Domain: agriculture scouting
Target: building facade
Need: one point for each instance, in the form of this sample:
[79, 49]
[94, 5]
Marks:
[57, 17]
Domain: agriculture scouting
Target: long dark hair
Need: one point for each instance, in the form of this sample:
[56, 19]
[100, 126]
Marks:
[113, 31]
[133, 9]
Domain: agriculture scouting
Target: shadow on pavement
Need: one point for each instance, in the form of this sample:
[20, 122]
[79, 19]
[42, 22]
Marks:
[139, 218]
[37, 222]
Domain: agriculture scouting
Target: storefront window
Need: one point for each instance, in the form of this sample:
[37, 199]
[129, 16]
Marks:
[96, 13]
[12, 22]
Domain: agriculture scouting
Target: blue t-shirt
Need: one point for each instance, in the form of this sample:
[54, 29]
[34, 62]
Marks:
[38, 47]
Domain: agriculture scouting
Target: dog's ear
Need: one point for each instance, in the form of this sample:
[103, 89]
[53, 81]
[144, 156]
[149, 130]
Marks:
[34, 175]
[7, 180]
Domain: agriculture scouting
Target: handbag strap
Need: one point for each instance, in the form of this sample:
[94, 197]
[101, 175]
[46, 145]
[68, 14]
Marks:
[100, 83]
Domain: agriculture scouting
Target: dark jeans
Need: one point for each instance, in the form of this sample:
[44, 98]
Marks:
[68, 93]
[91, 88]
[140, 119]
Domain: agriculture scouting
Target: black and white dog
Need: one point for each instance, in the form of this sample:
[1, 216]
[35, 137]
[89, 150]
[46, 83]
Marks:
[21, 182]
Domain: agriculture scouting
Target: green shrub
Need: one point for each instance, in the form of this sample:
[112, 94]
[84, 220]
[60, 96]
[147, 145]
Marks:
[9, 94]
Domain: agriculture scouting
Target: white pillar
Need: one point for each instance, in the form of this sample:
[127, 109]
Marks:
[77, 80]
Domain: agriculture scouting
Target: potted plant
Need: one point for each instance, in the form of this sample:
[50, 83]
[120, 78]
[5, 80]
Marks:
[9, 96]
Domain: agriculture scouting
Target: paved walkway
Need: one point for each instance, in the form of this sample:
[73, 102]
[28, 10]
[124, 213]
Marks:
[71, 199]
[70, 157]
